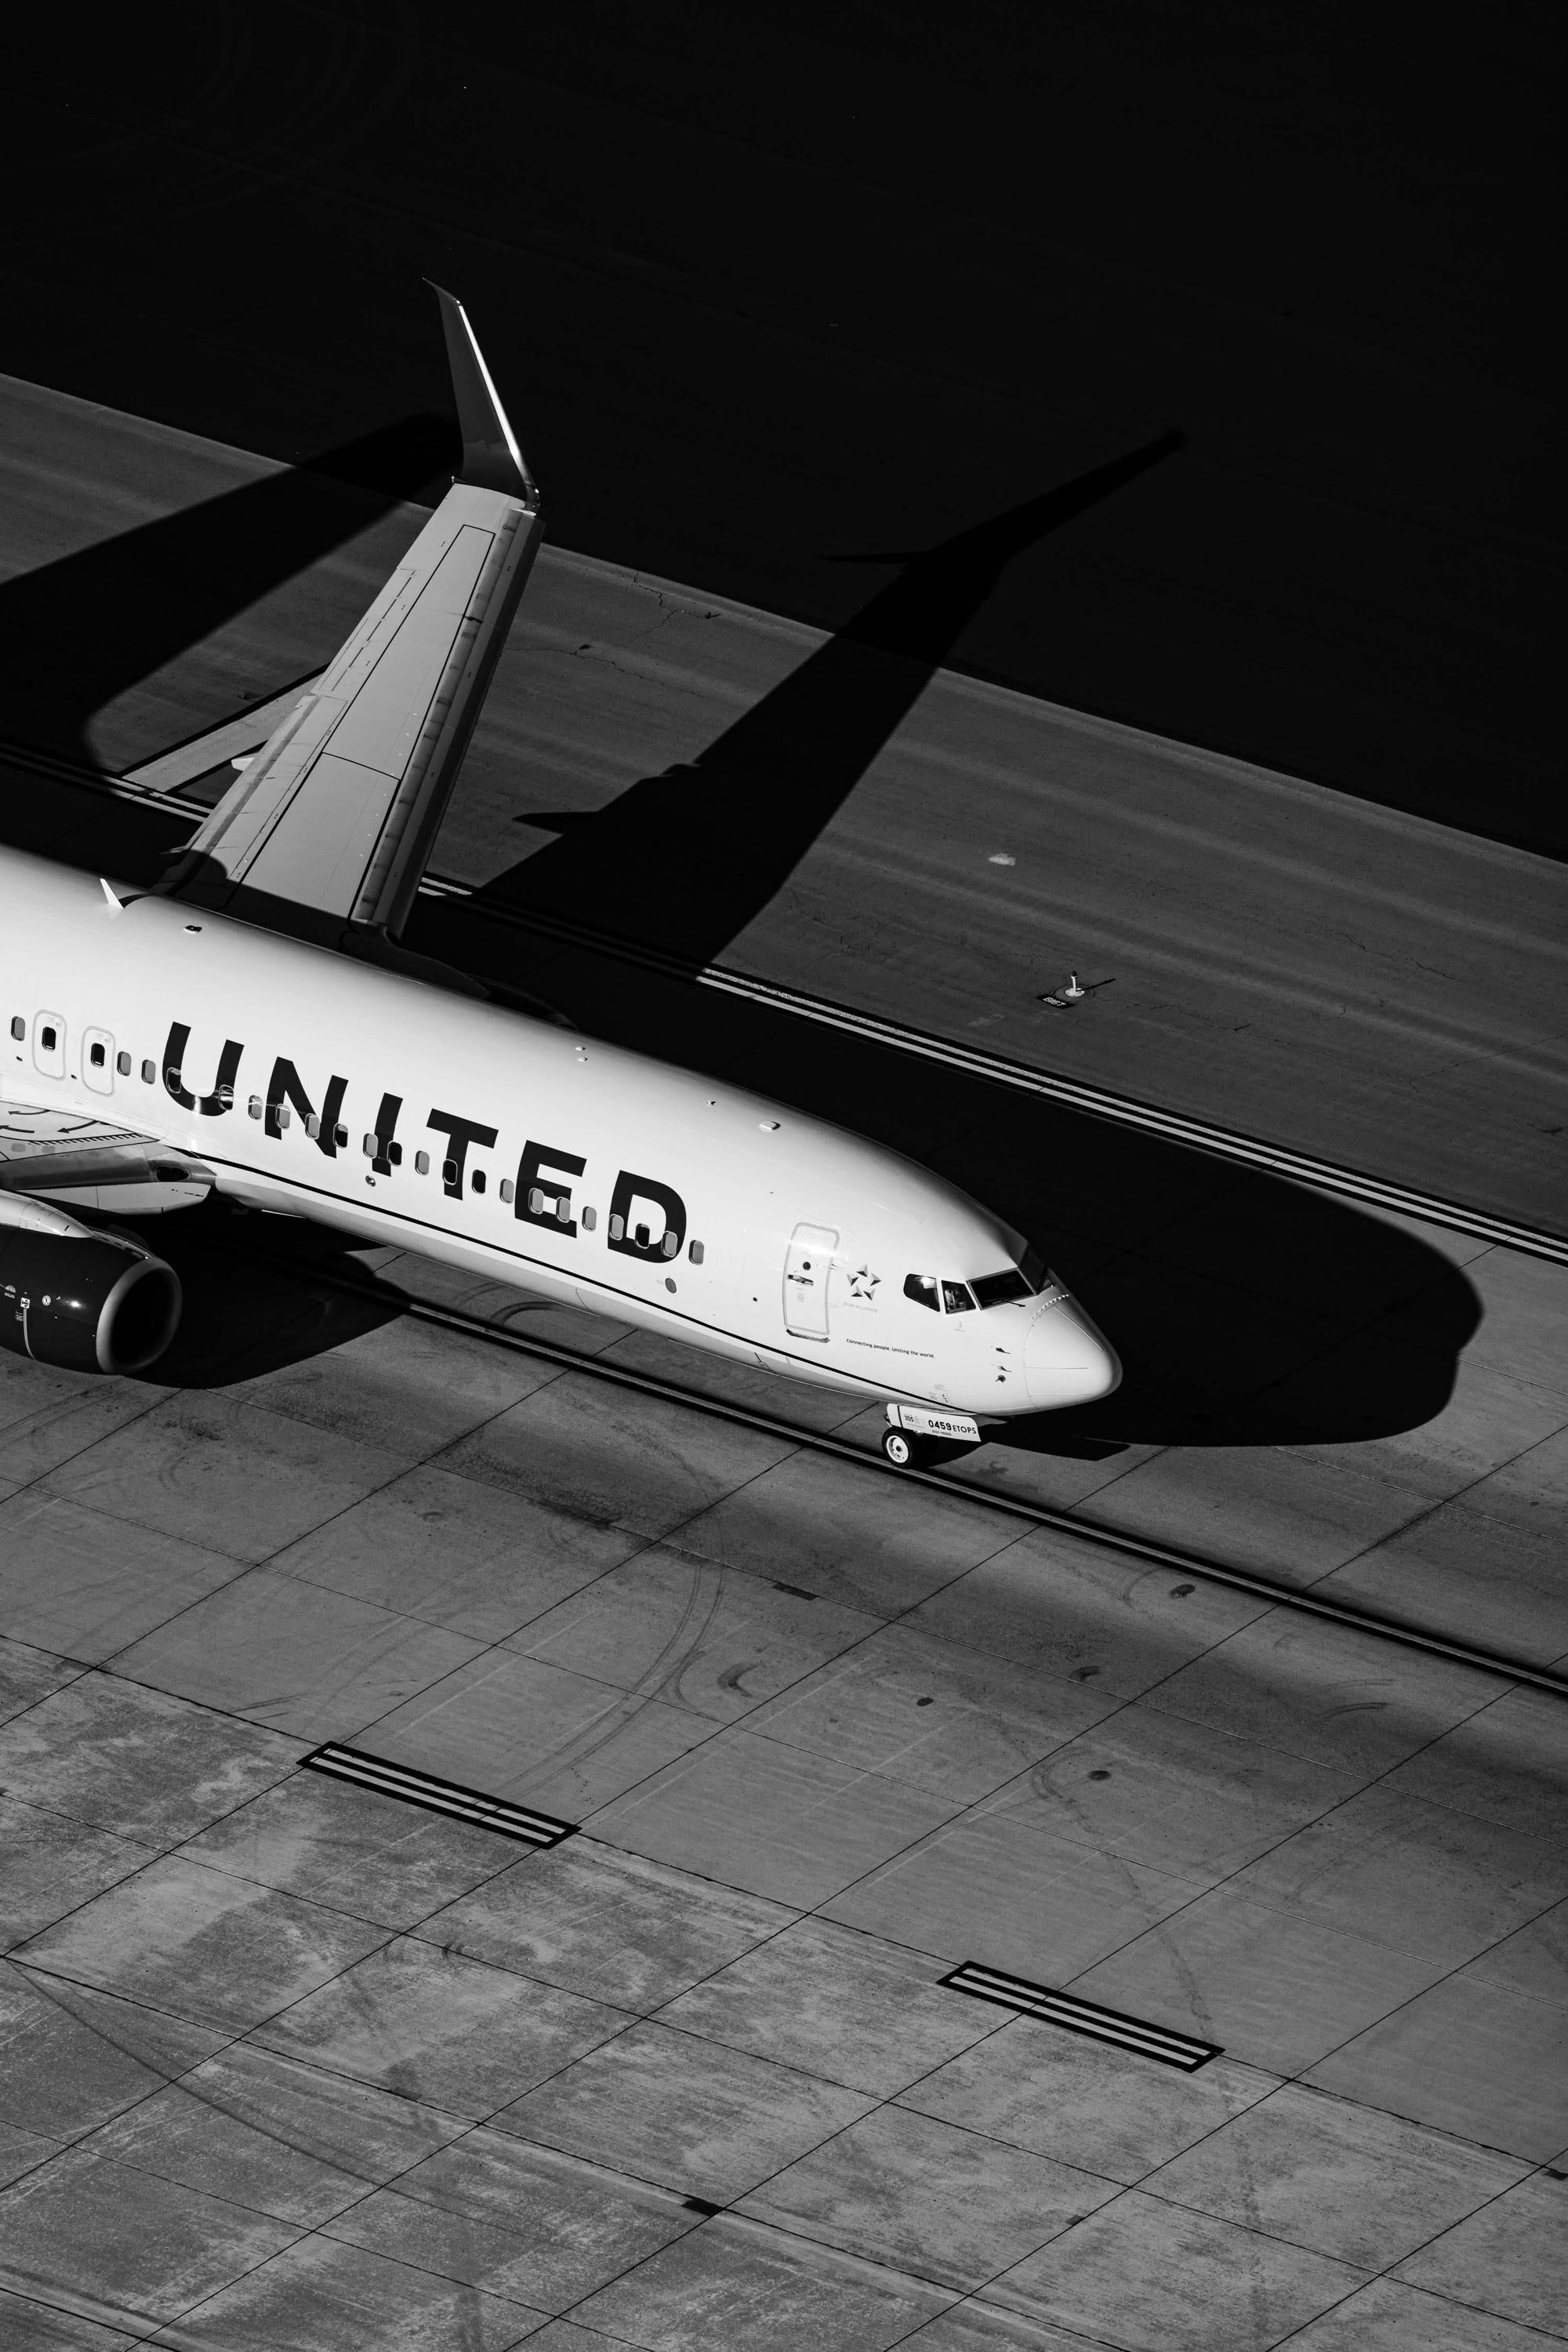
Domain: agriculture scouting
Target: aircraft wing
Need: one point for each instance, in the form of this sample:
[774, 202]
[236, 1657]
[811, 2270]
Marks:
[93, 1164]
[339, 810]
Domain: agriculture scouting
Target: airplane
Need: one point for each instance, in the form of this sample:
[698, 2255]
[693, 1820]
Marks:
[252, 1026]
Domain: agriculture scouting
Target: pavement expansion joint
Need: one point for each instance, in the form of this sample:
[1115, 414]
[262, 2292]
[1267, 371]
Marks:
[436, 1796]
[1086, 2017]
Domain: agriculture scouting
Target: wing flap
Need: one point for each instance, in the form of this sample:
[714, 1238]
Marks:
[29, 1130]
[93, 1164]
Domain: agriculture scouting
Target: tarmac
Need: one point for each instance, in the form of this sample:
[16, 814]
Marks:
[292, 2063]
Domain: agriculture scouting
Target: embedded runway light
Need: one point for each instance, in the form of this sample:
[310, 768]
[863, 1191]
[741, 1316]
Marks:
[768, 1126]
[1000, 857]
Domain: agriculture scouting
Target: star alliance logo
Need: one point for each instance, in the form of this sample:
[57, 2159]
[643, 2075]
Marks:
[863, 1284]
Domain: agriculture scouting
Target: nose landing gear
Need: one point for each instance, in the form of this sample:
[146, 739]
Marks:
[918, 1436]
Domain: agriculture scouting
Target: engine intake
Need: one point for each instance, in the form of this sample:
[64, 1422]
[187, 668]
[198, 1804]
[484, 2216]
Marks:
[83, 1300]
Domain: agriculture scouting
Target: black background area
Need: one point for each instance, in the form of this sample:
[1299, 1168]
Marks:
[767, 290]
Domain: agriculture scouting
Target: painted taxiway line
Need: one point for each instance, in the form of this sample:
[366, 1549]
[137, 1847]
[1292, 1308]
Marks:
[1070, 1523]
[1098, 1102]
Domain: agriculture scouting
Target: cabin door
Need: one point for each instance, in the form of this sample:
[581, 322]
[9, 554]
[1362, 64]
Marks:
[98, 1060]
[807, 1268]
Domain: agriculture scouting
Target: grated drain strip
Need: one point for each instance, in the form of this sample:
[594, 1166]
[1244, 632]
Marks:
[438, 1796]
[1086, 2017]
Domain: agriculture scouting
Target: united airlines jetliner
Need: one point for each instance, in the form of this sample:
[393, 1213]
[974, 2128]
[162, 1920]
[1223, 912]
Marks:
[252, 1026]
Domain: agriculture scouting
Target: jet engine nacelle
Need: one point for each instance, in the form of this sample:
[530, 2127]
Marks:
[84, 1300]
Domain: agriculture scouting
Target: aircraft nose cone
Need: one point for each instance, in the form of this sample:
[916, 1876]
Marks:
[1066, 1360]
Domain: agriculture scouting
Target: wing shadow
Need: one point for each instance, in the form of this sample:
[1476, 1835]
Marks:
[683, 861]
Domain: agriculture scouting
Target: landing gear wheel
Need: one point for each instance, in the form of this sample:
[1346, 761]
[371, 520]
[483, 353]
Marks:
[903, 1450]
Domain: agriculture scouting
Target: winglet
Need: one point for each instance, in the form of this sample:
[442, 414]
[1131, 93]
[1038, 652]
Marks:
[492, 458]
[113, 898]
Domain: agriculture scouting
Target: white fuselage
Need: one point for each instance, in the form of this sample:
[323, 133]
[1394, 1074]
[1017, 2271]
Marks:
[631, 1187]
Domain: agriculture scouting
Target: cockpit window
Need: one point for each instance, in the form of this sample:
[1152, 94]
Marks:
[1018, 1282]
[955, 1298]
[995, 1289]
[921, 1289]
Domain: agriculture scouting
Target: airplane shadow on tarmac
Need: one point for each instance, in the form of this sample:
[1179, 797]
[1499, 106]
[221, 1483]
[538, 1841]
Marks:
[1247, 1310]
[80, 632]
[1263, 1315]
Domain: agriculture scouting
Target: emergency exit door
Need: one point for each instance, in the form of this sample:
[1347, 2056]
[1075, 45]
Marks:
[807, 1268]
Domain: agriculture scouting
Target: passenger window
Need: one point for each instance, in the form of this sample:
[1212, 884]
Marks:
[97, 1056]
[508, 1190]
[695, 1253]
[589, 1220]
[448, 1171]
[149, 1073]
[478, 1180]
[122, 1064]
[422, 1163]
[955, 1298]
[48, 1038]
[921, 1289]
[18, 1027]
